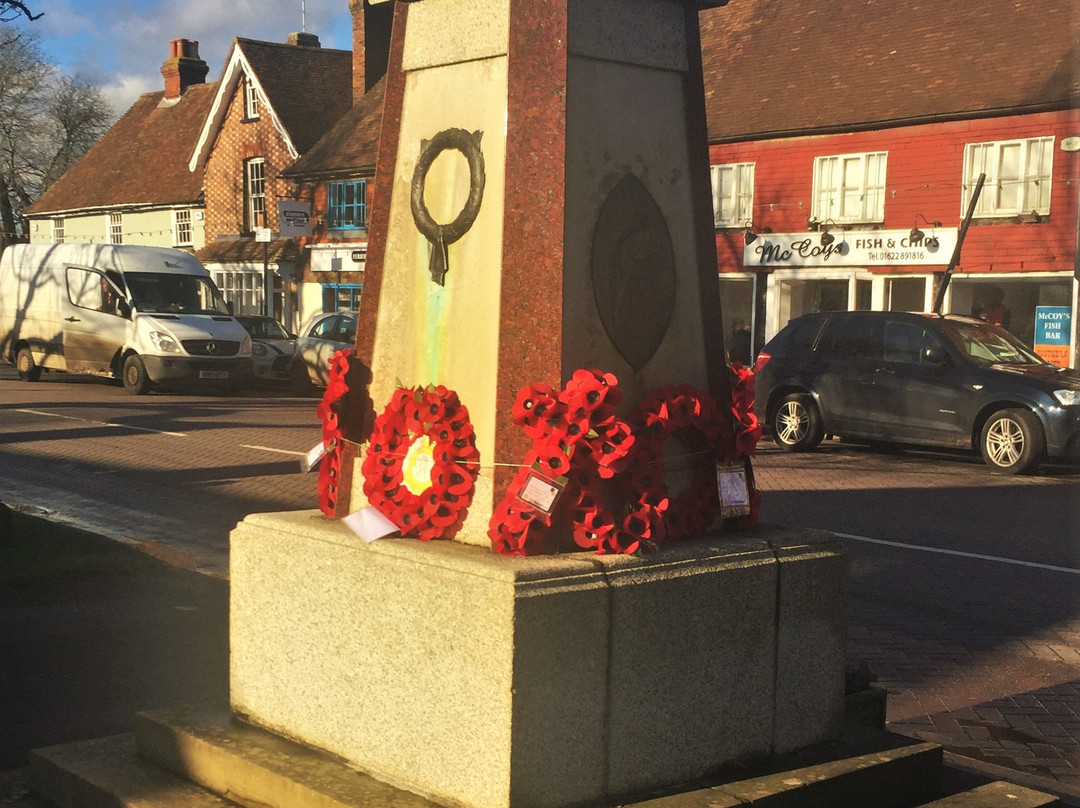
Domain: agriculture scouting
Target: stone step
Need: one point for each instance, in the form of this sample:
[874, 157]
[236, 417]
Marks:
[865, 767]
[108, 773]
[255, 767]
[996, 795]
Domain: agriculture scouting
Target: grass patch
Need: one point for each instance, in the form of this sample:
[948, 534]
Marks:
[34, 550]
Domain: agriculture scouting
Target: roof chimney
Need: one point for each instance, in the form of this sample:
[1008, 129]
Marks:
[371, 25]
[183, 68]
[303, 39]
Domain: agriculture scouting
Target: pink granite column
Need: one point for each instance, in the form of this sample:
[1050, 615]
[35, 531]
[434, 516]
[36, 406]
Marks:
[531, 307]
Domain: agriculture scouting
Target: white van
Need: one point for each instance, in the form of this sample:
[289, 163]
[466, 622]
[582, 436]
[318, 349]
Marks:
[142, 314]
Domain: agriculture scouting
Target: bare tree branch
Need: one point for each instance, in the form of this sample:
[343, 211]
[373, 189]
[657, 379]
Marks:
[11, 9]
[47, 122]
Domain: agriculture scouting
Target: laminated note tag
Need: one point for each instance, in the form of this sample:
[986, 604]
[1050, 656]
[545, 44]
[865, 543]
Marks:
[733, 488]
[312, 458]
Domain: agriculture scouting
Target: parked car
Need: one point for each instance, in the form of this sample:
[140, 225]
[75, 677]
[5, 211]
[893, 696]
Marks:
[896, 378]
[271, 347]
[325, 335]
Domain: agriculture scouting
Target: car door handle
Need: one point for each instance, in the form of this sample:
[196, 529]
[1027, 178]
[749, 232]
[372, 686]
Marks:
[73, 319]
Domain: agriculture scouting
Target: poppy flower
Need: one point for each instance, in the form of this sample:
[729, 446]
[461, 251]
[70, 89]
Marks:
[533, 406]
[550, 458]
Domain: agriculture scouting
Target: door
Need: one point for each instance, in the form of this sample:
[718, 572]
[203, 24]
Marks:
[917, 392]
[849, 354]
[93, 324]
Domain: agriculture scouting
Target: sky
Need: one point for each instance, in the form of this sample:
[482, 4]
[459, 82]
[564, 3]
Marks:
[119, 45]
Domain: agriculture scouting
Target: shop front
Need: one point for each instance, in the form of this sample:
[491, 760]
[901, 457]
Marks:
[888, 270]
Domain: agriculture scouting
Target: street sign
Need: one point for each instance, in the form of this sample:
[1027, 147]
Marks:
[294, 219]
[263, 234]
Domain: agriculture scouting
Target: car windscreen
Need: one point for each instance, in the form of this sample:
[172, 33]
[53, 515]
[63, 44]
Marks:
[161, 292]
[989, 345]
[264, 329]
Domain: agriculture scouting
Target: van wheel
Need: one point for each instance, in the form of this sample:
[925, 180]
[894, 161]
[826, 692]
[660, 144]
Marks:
[1012, 441]
[29, 371]
[136, 381]
[796, 424]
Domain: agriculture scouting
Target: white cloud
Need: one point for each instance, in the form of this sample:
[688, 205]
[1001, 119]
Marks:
[125, 89]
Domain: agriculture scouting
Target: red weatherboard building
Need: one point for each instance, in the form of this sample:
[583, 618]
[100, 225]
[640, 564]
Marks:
[853, 124]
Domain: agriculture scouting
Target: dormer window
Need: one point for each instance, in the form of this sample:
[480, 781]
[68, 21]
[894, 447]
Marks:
[251, 100]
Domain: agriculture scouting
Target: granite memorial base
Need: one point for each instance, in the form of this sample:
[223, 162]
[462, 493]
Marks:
[493, 682]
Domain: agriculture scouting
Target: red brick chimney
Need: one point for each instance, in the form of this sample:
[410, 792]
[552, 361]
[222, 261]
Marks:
[371, 43]
[183, 68]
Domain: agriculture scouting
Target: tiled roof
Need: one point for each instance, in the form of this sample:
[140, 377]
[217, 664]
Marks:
[779, 66]
[350, 148]
[248, 251]
[309, 88]
[141, 160]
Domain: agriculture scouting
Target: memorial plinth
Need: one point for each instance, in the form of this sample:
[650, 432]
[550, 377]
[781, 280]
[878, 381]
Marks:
[541, 206]
[563, 680]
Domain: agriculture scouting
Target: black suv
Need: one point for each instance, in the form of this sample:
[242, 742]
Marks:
[895, 378]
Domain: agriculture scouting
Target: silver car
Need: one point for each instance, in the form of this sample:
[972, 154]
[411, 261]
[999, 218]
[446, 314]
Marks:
[272, 347]
[326, 334]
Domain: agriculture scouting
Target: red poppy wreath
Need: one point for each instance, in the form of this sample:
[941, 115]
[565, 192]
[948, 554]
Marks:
[691, 417]
[421, 463]
[328, 412]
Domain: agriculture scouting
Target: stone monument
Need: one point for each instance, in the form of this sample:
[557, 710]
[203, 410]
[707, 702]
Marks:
[541, 205]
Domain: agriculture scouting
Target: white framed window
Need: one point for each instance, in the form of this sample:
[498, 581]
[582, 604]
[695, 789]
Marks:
[850, 187]
[1017, 176]
[255, 193]
[58, 230]
[116, 228]
[182, 228]
[251, 99]
[733, 194]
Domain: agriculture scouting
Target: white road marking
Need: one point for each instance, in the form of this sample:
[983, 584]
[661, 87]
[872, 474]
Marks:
[104, 423]
[272, 449]
[978, 556]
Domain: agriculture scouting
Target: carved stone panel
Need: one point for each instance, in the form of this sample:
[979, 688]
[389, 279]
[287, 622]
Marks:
[633, 271]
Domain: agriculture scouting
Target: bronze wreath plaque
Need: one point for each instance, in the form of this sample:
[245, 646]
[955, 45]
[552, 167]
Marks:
[442, 235]
[633, 271]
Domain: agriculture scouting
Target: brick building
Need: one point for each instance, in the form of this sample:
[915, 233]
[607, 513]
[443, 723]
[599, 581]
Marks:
[134, 185]
[335, 176]
[837, 131]
[273, 103]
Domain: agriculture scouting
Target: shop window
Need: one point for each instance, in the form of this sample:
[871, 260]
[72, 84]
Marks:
[347, 203]
[1020, 296]
[341, 296]
[737, 296]
[1017, 176]
[733, 194]
[905, 294]
[850, 188]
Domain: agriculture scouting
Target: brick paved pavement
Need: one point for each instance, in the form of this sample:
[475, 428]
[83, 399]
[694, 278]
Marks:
[979, 654]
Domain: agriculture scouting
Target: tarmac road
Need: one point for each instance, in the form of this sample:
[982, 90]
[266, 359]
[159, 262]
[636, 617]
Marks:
[965, 584]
